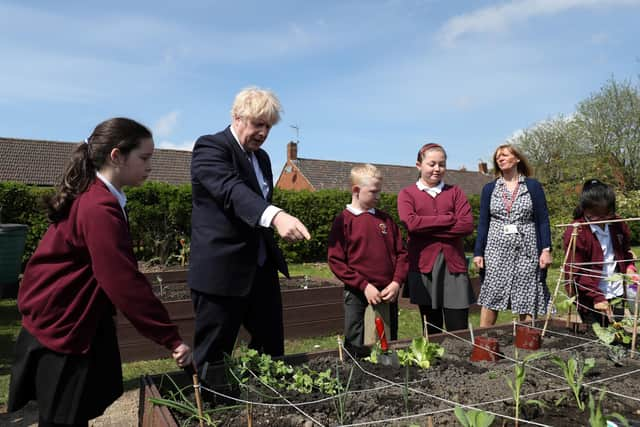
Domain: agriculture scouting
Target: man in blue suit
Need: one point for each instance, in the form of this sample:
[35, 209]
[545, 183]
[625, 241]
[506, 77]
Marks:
[234, 264]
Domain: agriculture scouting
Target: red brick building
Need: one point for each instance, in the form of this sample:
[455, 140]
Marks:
[311, 174]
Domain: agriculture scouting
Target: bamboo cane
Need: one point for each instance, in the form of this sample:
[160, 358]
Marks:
[570, 249]
[424, 327]
[635, 323]
[340, 349]
[249, 415]
[196, 391]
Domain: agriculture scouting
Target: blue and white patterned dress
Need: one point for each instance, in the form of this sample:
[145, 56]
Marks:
[511, 261]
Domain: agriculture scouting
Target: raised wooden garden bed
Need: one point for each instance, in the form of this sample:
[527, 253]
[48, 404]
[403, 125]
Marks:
[394, 396]
[311, 307]
[316, 310]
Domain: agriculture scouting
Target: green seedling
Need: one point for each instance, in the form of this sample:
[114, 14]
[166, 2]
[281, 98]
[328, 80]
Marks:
[520, 374]
[473, 417]
[574, 371]
[177, 401]
[597, 418]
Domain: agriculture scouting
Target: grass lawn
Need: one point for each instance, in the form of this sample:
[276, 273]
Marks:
[409, 327]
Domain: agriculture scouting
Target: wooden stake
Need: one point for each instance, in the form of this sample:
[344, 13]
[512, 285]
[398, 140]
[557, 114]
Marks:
[570, 249]
[249, 415]
[424, 326]
[430, 421]
[635, 323]
[340, 349]
[196, 390]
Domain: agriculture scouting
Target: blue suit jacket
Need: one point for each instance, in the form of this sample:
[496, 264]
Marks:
[540, 216]
[227, 206]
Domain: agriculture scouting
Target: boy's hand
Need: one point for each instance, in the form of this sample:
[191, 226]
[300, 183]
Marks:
[373, 294]
[390, 292]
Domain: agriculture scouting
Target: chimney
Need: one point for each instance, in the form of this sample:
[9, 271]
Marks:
[483, 168]
[292, 151]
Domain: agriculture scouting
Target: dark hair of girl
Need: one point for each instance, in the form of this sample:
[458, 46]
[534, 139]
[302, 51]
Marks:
[595, 195]
[89, 157]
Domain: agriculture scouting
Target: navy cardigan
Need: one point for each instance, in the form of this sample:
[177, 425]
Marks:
[540, 216]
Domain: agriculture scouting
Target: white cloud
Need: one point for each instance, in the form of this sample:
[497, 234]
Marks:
[500, 18]
[171, 145]
[166, 124]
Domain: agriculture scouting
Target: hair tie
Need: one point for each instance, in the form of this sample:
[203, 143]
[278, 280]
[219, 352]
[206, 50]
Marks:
[430, 146]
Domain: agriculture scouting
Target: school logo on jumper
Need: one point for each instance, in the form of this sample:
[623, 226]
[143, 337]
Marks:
[383, 228]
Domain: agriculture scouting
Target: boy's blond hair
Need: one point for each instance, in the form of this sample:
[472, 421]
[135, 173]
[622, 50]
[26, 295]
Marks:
[362, 174]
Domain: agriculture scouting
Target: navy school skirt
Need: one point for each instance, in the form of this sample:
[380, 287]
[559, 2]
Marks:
[69, 388]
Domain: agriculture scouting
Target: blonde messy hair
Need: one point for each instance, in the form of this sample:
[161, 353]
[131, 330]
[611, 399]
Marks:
[256, 103]
[362, 174]
[524, 168]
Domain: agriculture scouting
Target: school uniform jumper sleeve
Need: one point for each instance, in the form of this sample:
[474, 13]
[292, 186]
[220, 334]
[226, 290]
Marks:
[115, 269]
[337, 256]
[402, 255]
[587, 281]
[483, 220]
[463, 218]
[415, 223]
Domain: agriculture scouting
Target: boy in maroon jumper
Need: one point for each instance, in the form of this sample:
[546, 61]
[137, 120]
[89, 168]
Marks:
[367, 254]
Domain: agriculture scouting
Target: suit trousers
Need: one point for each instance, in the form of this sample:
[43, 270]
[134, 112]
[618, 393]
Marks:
[219, 317]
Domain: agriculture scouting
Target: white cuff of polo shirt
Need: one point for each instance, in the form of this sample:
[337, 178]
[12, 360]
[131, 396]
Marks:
[267, 216]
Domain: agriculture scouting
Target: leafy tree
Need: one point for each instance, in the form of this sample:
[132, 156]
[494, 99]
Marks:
[610, 121]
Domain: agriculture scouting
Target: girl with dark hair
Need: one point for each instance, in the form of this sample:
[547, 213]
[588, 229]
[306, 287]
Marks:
[601, 250]
[437, 217]
[67, 356]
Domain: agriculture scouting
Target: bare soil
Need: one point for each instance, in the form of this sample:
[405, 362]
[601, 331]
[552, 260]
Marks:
[378, 394]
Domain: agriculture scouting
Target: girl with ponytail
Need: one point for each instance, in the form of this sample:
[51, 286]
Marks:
[67, 356]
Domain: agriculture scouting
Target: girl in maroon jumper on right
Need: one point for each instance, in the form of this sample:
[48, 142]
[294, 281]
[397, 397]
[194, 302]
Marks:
[437, 217]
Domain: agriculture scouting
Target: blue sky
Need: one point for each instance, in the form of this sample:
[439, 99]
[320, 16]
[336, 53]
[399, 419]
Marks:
[364, 80]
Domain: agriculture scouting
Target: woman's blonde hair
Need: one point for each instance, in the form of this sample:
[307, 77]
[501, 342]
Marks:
[254, 103]
[523, 165]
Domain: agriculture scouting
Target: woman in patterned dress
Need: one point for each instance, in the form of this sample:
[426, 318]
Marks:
[513, 247]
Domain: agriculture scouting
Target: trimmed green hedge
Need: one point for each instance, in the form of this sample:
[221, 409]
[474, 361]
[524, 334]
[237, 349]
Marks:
[160, 215]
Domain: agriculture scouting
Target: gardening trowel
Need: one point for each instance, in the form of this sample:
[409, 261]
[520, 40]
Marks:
[387, 357]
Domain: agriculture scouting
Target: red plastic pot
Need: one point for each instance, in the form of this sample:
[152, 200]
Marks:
[485, 349]
[528, 338]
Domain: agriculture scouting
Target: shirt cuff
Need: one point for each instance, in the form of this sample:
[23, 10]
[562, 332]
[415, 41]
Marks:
[267, 216]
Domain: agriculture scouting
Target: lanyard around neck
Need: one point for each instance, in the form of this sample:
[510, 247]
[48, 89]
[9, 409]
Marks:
[508, 203]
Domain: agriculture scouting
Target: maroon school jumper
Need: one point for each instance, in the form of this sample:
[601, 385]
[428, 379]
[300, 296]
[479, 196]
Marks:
[83, 266]
[588, 249]
[367, 248]
[435, 225]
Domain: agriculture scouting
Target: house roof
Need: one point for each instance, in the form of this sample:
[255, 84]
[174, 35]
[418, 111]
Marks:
[38, 162]
[331, 174]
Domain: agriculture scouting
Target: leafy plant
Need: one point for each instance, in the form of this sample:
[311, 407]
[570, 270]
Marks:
[520, 374]
[420, 353]
[613, 333]
[597, 417]
[473, 417]
[177, 401]
[574, 370]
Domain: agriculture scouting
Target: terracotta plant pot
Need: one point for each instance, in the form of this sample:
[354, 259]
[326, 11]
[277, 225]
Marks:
[528, 338]
[485, 349]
